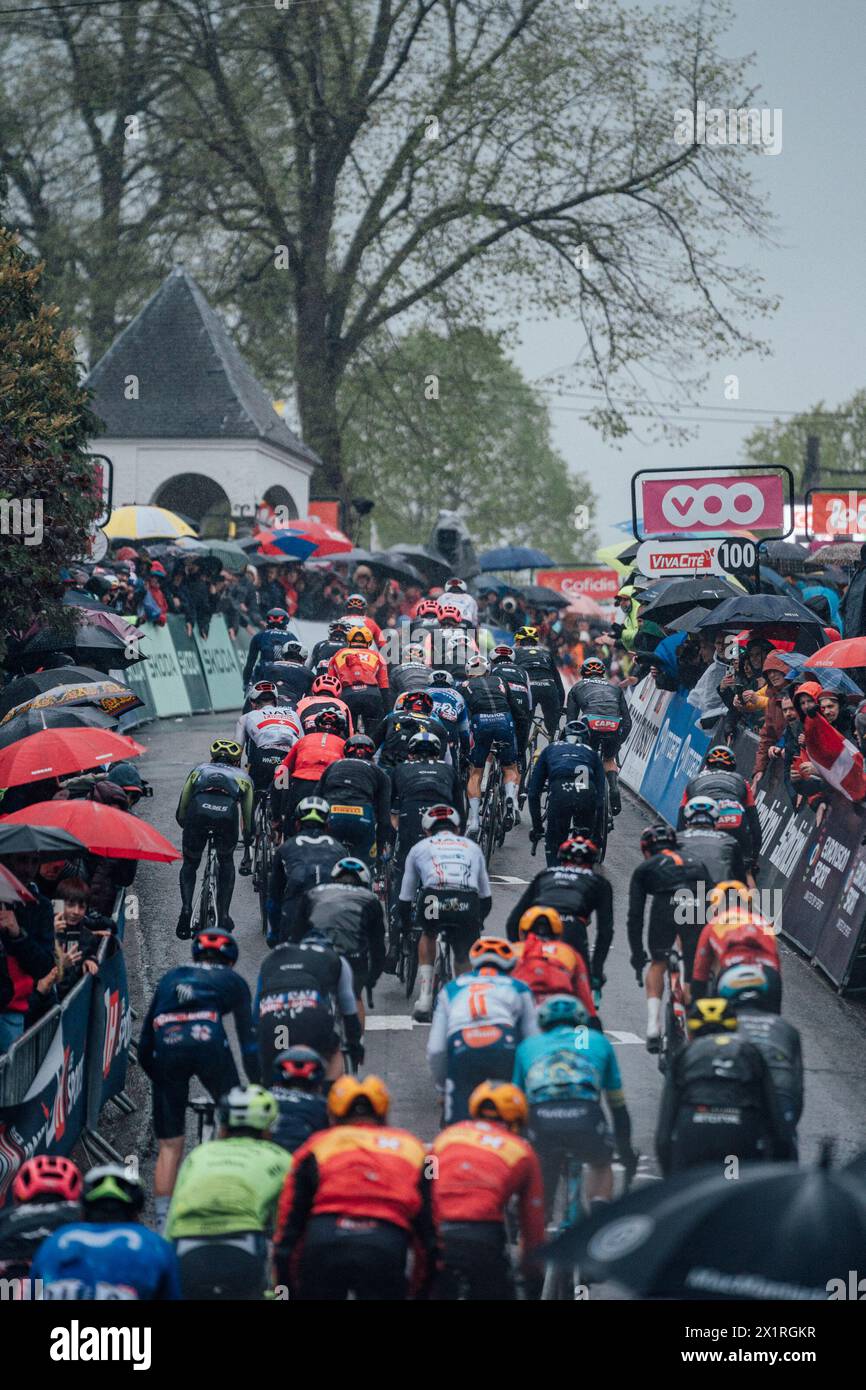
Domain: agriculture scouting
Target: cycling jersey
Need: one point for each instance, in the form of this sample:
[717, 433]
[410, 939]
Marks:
[466, 605]
[352, 782]
[570, 770]
[399, 727]
[719, 852]
[738, 815]
[414, 788]
[227, 1186]
[483, 1005]
[734, 939]
[300, 863]
[24, 1228]
[517, 683]
[545, 682]
[292, 678]
[301, 988]
[668, 878]
[273, 726]
[480, 1167]
[107, 1261]
[449, 708]
[212, 792]
[301, 1114]
[779, 1042]
[598, 699]
[350, 917]
[552, 967]
[576, 893]
[359, 666]
[186, 1016]
[567, 1063]
[445, 860]
[409, 675]
[323, 651]
[311, 705]
[262, 648]
[488, 695]
[308, 758]
[451, 649]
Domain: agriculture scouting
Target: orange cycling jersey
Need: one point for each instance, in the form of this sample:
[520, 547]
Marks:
[310, 756]
[479, 1167]
[359, 666]
[551, 967]
[734, 938]
[312, 705]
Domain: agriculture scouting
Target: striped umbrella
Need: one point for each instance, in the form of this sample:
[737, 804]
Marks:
[146, 524]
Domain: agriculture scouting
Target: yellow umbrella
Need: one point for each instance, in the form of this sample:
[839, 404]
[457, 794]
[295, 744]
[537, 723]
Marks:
[146, 524]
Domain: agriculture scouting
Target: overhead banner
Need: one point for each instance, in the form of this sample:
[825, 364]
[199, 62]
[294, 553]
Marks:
[220, 666]
[683, 503]
[167, 688]
[189, 665]
[841, 512]
[602, 585]
[659, 559]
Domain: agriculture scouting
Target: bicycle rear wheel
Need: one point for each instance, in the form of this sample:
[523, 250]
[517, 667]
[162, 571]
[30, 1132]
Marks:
[409, 958]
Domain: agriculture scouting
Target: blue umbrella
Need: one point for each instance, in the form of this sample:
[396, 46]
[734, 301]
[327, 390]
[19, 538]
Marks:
[774, 579]
[514, 557]
[828, 677]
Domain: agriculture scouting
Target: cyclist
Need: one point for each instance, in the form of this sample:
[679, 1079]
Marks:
[297, 1085]
[422, 780]
[545, 682]
[457, 596]
[748, 989]
[364, 674]
[297, 776]
[288, 669]
[479, 1019]
[481, 1165]
[357, 1200]
[208, 806]
[546, 963]
[565, 1071]
[671, 878]
[572, 772]
[304, 989]
[120, 1260]
[301, 861]
[225, 1200]
[503, 662]
[266, 733]
[453, 647]
[355, 615]
[445, 880]
[334, 642]
[359, 794]
[413, 672]
[46, 1193]
[576, 889]
[183, 1036]
[325, 693]
[718, 850]
[719, 1100]
[605, 708]
[492, 709]
[735, 934]
[734, 797]
[265, 643]
[349, 914]
[449, 707]
[412, 714]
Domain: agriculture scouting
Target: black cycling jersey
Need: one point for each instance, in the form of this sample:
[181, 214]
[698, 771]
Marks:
[576, 893]
[186, 1015]
[738, 814]
[410, 675]
[350, 916]
[600, 699]
[538, 663]
[489, 695]
[293, 679]
[323, 651]
[22, 1230]
[516, 679]
[300, 863]
[425, 783]
[779, 1042]
[301, 987]
[398, 727]
[720, 853]
[354, 782]
[659, 878]
[301, 1114]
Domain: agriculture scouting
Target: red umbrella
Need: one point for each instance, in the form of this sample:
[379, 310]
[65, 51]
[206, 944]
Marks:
[327, 539]
[840, 655]
[53, 752]
[12, 890]
[113, 834]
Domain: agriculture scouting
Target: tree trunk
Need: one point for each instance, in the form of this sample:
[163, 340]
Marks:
[317, 380]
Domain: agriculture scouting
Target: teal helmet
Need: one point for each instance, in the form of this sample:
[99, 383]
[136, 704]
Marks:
[558, 1009]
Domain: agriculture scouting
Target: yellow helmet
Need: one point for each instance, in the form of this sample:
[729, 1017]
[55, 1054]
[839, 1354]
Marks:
[359, 637]
[711, 1016]
[349, 1096]
[506, 1102]
[526, 634]
[538, 916]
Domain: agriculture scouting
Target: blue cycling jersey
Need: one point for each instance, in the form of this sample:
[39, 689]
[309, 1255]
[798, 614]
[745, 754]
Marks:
[566, 1063]
[264, 648]
[114, 1260]
[186, 1013]
[449, 708]
[562, 765]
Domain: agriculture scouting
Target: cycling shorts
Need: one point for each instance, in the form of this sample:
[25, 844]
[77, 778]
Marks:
[344, 1255]
[480, 1053]
[263, 763]
[474, 1262]
[558, 1128]
[355, 826]
[360, 967]
[313, 1027]
[229, 1266]
[455, 910]
[198, 825]
[170, 1075]
[490, 729]
[707, 1135]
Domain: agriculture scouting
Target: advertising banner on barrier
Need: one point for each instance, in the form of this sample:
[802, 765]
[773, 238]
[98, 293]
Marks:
[189, 665]
[677, 756]
[138, 680]
[220, 666]
[841, 948]
[110, 1034]
[242, 644]
[825, 874]
[784, 832]
[647, 706]
[167, 688]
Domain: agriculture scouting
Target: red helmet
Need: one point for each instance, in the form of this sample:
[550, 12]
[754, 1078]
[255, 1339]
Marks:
[360, 746]
[47, 1176]
[449, 613]
[418, 701]
[330, 721]
[427, 608]
[327, 685]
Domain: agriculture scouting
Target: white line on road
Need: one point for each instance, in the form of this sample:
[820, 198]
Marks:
[388, 1023]
[623, 1037]
[506, 878]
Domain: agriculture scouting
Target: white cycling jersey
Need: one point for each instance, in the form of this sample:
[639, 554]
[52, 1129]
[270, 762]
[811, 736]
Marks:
[490, 1000]
[466, 603]
[274, 726]
[445, 860]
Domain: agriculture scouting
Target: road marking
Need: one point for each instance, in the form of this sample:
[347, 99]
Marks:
[623, 1037]
[388, 1023]
[507, 878]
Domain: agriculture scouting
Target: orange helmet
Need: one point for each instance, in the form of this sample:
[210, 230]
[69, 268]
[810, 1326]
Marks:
[492, 950]
[359, 637]
[499, 1100]
[349, 1097]
[327, 685]
[537, 917]
[729, 896]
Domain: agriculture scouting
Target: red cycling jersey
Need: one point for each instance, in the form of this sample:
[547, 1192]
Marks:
[735, 938]
[553, 967]
[359, 666]
[310, 756]
[479, 1167]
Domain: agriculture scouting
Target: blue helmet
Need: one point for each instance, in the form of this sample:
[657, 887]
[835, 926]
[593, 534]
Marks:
[557, 1009]
[745, 984]
[701, 810]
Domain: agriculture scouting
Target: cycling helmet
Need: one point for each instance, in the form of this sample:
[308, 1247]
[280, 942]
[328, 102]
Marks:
[494, 951]
[327, 685]
[329, 721]
[356, 603]
[745, 984]
[414, 651]
[701, 810]
[477, 666]
[557, 1009]
[711, 1016]
[247, 1107]
[435, 817]
[543, 921]
[575, 731]
[312, 810]
[47, 1178]
[360, 746]
[593, 668]
[441, 678]
[418, 701]
[349, 1097]
[502, 653]
[263, 690]
[427, 608]
[455, 585]
[526, 635]
[299, 1066]
[111, 1183]
[276, 617]
[499, 1100]
[225, 750]
[449, 613]
[359, 637]
[293, 651]
[729, 896]
[579, 849]
[356, 867]
[425, 745]
[720, 755]
[338, 628]
[658, 836]
[220, 943]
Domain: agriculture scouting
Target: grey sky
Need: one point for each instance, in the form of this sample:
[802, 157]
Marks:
[810, 62]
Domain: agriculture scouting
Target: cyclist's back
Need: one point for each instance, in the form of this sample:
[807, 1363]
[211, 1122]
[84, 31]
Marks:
[576, 892]
[301, 988]
[667, 879]
[717, 850]
[227, 1186]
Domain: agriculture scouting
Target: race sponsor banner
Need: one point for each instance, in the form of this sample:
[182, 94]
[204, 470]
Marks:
[109, 1035]
[603, 585]
[710, 504]
[825, 905]
[167, 688]
[647, 706]
[677, 756]
[841, 948]
[838, 513]
[785, 833]
[670, 558]
[220, 666]
[189, 665]
[137, 678]
[242, 644]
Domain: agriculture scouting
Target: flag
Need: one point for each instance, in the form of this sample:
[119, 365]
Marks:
[837, 760]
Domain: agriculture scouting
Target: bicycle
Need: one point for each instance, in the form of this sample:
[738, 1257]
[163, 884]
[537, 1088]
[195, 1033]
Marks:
[531, 753]
[204, 911]
[491, 821]
[263, 853]
[674, 1011]
[561, 1284]
[204, 1110]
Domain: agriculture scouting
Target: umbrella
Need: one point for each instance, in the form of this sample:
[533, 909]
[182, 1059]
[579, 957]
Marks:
[145, 524]
[35, 682]
[262, 561]
[12, 890]
[585, 607]
[830, 575]
[44, 841]
[104, 830]
[285, 543]
[229, 553]
[107, 695]
[851, 651]
[778, 1232]
[612, 555]
[683, 594]
[356, 556]
[74, 599]
[688, 621]
[326, 540]
[54, 752]
[89, 642]
[845, 553]
[785, 556]
[67, 717]
[830, 678]
[112, 622]
[433, 565]
[515, 557]
[540, 596]
[774, 579]
[395, 567]
[760, 610]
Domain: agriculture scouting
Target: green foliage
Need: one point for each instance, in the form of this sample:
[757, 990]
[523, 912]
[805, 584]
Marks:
[842, 435]
[434, 421]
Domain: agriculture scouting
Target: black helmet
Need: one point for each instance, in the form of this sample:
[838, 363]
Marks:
[360, 746]
[214, 941]
[276, 617]
[425, 745]
[593, 668]
[299, 1066]
[658, 836]
[575, 731]
[720, 755]
[293, 651]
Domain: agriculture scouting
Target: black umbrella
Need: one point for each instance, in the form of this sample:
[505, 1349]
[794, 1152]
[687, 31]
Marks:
[87, 643]
[25, 687]
[778, 1232]
[434, 566]
[42, 840]
[759, 610]
[784, 556]
[687, 622]
[682, 594]
[395, 567]
[542, 597]
[33, 721]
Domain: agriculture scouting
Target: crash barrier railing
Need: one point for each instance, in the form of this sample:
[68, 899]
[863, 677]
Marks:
[815, 874]
[57, 1078]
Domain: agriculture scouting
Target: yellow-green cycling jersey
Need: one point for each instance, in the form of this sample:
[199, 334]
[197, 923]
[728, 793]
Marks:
[222, 778]
[228, 1186]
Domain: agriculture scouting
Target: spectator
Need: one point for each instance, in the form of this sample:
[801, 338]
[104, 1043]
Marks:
[705, 695]
[852, 609]
[837, 713]
[50, 873]
[776, 673]
[27, 935]
[271, 594]
[744, 692]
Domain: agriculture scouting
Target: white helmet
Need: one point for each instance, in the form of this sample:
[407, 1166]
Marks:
[438, 815]
[477, 666]
[455, 585]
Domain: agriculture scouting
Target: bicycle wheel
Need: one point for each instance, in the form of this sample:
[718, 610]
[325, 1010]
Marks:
[409, 955]
[265, 850]
[560, 1281]
[604, 823]
[442, 969]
